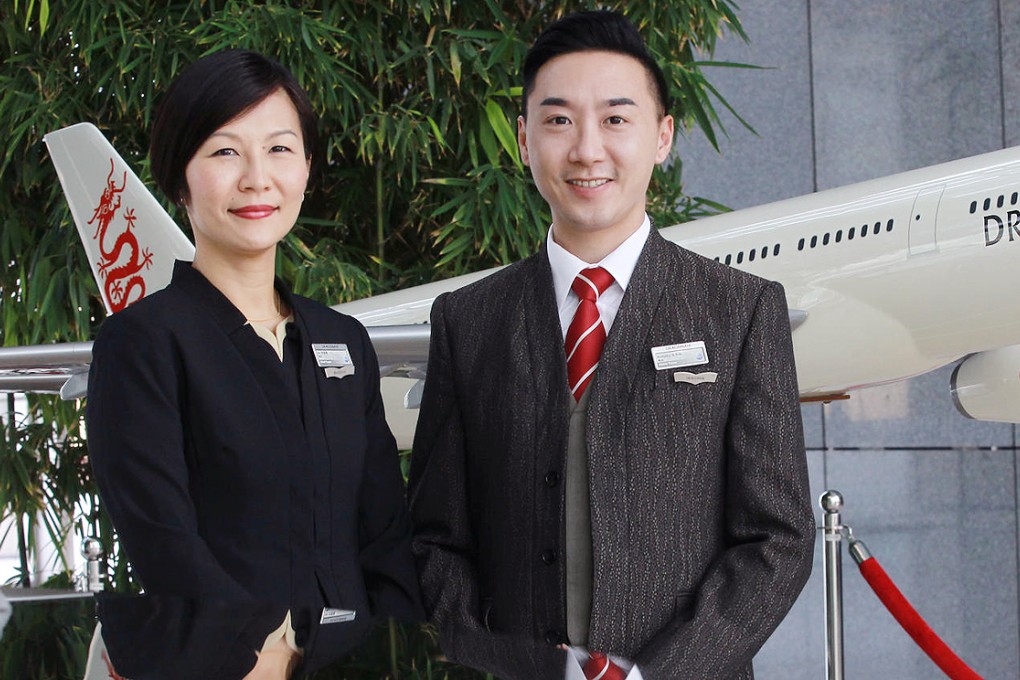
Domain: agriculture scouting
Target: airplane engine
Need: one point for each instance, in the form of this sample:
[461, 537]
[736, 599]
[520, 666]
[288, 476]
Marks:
[986, 385]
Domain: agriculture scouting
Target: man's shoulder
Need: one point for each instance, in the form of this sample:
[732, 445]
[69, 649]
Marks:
[718, 276]
[499, 287]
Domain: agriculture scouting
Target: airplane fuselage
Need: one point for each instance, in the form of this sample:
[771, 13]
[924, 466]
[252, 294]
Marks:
[897, 276]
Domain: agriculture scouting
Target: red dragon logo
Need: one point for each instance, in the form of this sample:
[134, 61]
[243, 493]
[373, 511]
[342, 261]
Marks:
[124, 284]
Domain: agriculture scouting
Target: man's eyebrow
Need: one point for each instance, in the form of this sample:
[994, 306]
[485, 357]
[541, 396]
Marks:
[553, 101]
[615, 101]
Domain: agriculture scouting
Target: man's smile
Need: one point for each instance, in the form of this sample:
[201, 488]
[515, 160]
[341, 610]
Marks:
[588, 183]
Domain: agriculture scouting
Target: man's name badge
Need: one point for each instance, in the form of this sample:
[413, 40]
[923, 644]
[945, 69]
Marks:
[331, 615]
[334, 359]
[680, 356]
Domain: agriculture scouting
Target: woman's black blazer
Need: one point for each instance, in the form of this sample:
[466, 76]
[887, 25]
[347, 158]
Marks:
[233, 477]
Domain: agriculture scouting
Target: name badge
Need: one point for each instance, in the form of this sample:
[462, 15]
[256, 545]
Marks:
[334, 359]
[327, 355]
[680, 356]
[331, 615]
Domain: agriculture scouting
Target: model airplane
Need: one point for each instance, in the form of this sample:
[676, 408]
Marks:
[885, 279]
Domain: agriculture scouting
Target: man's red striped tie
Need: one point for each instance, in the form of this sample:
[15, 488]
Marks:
[586, 333]
[601, 667]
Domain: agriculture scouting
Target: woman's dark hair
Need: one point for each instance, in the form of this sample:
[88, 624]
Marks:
[597, 31]
[206, 95]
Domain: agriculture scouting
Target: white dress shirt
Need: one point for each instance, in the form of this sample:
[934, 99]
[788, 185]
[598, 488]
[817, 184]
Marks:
[620, 263]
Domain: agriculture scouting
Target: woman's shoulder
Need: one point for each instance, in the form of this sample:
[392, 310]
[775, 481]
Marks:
[318, 315]
[150, 321]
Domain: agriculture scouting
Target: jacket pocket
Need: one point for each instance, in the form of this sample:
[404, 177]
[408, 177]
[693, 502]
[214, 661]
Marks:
[683, 606]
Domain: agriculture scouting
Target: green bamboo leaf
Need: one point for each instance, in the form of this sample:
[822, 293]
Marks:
[487, 138]
[436, 132]
[455, 65]
[506, 135]
[44, 16]
[474, 33]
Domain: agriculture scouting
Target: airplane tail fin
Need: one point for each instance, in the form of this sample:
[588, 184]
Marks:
[130, 239]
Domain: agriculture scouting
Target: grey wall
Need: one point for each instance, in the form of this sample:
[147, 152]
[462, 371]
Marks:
[852, 91]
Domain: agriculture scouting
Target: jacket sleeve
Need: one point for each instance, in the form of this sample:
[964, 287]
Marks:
[770, 527]
[384, 524]
[443, 544]
[136, 446]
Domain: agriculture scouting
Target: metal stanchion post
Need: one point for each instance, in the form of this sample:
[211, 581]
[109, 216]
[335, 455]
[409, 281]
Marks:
[92, 550]
[832, 560]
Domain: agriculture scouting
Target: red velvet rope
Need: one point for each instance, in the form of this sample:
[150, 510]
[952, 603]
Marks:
[929, 642]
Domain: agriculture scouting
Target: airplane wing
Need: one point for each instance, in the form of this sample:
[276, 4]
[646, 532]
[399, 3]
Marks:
[63, 367]
[45, 368]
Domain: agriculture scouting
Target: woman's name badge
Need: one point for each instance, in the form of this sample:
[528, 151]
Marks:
[334, 359]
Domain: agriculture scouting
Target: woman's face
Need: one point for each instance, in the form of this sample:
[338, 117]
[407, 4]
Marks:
[247, 180]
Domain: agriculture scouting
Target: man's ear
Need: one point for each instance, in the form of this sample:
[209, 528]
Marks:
[665, 139]
[522, 139]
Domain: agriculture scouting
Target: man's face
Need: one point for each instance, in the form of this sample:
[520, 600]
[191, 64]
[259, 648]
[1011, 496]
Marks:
[592, 137]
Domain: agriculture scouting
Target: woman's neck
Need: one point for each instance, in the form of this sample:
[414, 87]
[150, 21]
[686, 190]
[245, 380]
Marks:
[247, 283]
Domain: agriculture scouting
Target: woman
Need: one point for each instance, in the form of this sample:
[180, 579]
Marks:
[236, 430]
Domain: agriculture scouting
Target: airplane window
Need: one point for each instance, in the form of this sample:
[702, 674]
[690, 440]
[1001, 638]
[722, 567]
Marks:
[729, 258]
[888, 225]
[740, 257]
[988, 203]
[750, 255]
[825, 239]
[973, 206]
[878, 227]
[864, 230]
[1013, 198]
[716, 258]
[775, 251]
[764, 251]
[850, 234]
[839, 235]
[814, 241]
[1002, 199]
[800, 245]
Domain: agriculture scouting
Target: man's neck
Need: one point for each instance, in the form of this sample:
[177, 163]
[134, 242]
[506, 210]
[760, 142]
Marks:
[592, 247]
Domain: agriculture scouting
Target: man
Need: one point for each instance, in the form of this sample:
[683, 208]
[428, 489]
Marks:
[652, 504]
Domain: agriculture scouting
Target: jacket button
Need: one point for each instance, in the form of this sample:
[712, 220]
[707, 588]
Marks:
[548, 557]
[553, 637]
[552, 479]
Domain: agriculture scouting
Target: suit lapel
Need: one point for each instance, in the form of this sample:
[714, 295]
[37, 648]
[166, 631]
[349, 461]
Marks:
[548, 364]
[625, 344]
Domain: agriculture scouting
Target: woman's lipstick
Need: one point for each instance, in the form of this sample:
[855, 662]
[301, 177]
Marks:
[254, 212]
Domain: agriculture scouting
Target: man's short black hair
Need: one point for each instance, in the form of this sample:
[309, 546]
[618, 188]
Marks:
[208, 94]
[603, 31]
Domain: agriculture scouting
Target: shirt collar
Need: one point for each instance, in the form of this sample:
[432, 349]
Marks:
[620, 263]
